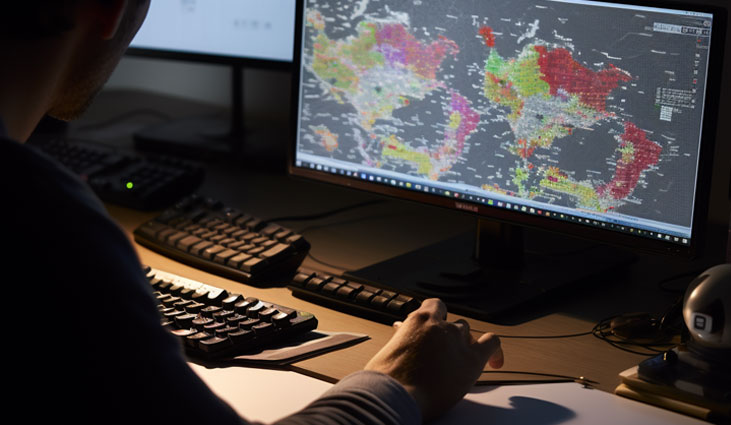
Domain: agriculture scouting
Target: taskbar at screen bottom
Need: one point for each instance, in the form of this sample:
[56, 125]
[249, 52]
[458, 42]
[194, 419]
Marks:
[679, 237]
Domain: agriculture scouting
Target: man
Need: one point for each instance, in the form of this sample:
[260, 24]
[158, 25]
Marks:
[75, 358]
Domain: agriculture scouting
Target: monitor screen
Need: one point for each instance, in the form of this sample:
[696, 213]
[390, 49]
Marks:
[245, 29]
[593, 118]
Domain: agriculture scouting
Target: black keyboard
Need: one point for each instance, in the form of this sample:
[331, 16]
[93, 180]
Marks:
[214, 324]
[355, 298]
[141, 182]
[206, 234]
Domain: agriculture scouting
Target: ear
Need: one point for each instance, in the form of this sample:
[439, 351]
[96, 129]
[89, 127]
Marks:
[109, 14]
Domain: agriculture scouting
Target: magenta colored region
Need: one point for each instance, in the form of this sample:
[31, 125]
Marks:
[392, 55]
[627, 174]
[470, 118]
[425, 59]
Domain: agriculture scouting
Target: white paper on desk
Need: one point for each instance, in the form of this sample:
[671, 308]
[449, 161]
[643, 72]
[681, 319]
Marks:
[262, 395]
[548, 404]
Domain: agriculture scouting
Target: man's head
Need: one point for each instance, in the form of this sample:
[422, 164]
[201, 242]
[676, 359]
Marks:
[91, 34]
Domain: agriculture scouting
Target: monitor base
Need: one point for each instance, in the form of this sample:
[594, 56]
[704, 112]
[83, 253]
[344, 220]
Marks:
[450, 271]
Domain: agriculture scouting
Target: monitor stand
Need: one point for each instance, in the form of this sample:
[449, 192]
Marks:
[200, 137]
[501, 269]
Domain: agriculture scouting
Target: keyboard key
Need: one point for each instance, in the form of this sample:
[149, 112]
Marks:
[330, 288]
[276, 251]
[241, 336]
[263, 328]
[346, 291]
[223, 256]
[253, 265]
[364, 297]
[230, 302]
[316, 283]
[238, 260]
[214, 344]
[198, 248]
[242, 306]
[212, 251]
[267, 314]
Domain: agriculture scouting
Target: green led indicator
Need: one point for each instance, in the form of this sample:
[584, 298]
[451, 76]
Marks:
[130, 185]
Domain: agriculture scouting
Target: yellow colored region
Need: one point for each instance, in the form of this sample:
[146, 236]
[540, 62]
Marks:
[494, 188]
[393, 148]
[455, 120]
[587, 196]
[628, 153]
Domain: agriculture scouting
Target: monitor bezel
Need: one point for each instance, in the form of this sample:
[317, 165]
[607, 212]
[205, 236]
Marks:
[241, 61]
[567, 228]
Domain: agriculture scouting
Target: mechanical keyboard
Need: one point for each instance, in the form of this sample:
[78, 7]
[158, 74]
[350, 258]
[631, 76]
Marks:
[126, 179]
[213, 323]
[359, 299]
[206, 234]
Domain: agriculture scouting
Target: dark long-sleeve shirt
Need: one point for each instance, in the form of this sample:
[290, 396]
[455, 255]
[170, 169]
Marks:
[73, 357]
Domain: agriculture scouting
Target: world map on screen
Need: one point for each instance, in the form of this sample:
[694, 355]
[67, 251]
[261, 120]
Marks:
[590, 108]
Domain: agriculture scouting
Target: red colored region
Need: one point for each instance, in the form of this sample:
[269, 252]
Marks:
[488, 36]
[646, 153]
[425, 59]
[561, 71]
[524, 150]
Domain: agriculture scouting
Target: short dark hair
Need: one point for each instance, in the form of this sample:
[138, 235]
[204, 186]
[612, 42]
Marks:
[31, 19]
[35, 18]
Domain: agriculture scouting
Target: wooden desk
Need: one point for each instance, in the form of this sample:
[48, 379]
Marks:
[375, 233]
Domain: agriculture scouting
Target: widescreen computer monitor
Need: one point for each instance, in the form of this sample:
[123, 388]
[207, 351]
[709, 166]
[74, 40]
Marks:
[586, 118]
[237, 33]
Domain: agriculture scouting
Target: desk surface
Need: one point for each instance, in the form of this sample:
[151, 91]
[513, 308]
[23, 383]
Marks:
[362, 237]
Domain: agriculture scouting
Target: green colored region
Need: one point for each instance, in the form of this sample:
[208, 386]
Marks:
[329, 67]
[495, 63]
[585, 193]
[549, 133]
[339, 63]
[578, 108]
[393, 148]
[360, 50]
[526, 74]
[507, 82]
[521, 175]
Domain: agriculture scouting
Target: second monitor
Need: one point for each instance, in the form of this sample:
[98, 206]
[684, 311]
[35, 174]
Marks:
[234, 33]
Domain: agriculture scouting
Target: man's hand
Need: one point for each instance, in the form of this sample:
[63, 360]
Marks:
[435, 360]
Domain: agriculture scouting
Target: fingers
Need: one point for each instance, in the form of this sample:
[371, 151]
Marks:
[464, 328]
[489, 345]
[435, 307]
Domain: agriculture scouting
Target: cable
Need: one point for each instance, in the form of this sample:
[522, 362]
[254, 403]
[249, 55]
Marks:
[324, 214]
[537, 336]
[602, 331]
[341, 223]
[127, 115]
[324, 263]
[579, 379]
